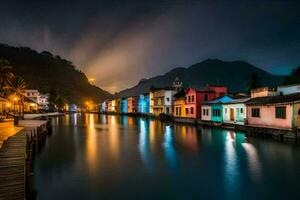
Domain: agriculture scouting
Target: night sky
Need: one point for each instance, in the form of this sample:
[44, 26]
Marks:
[120, 42]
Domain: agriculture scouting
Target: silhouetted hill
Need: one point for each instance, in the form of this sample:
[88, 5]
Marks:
[235, 75]
[43, 71]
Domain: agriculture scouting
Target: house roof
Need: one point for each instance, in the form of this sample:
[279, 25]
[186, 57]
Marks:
[280, 99]
[239, 100]
[220, 100]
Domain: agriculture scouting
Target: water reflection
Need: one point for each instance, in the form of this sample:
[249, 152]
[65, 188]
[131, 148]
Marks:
[144, 143]
[98, 156]
[91, 143]
[168, 144]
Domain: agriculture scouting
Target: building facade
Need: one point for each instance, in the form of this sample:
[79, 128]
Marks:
[132, 104]
[235, 112]
[162, 100]
[279, 112]
[144, 103]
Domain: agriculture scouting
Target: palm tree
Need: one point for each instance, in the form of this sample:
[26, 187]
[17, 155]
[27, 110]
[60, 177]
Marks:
[17, 87]
[6, 75]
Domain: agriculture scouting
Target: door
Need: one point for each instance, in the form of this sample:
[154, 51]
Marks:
[231, 114]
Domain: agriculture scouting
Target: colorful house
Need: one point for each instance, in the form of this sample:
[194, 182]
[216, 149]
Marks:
[161, 100]
[179, 104]
[102, 107]
[109, 104]
[118, 103]
[235, 112]
[278, 112]
[132, 104]
[194, 98]
[144, 103]
[214, 109]
[124, 105]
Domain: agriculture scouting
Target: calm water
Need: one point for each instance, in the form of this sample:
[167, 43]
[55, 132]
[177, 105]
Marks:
[114, 157]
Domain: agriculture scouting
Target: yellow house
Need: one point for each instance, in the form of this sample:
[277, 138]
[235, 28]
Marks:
[179, 104]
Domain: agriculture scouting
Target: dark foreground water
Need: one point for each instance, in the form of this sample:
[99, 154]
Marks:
[114, 157]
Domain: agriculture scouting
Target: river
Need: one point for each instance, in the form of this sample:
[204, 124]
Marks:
[90, 156]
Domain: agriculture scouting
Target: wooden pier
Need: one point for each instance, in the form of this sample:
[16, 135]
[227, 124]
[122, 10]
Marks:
[16, 176]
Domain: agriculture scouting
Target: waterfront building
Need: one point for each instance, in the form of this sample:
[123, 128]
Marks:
[194, 98]
[103, 107]
[109, 104]
[214, 109]
[288, 89]
[118, 102]
[279, 112]
[124, 105]
[162, 99]
[144, 103]
[179, 104]
[132, 104]
[43, 102]
[235, 111]
[30, 105]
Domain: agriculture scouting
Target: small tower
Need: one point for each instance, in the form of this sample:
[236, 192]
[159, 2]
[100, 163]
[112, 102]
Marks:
[177, 84]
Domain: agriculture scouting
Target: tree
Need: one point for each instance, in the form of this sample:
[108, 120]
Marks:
[253, 83]
[17, 87]
[52, 100]
[294, 77]
[6, 75]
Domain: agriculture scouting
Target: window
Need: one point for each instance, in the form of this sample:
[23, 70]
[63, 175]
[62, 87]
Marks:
[225, 110]
[189, 99]
[241, 110]
[179, 111]
[205, 97]
[193, 99]
[176, 110]
[168, 110]
[192, 110]
[216, 112]
[203, 111]
[207, 111]
[187, 111]
[280, 112]
[168, 99]
[255, 112]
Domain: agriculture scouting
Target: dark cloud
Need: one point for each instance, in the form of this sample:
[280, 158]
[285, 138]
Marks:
[119, 42]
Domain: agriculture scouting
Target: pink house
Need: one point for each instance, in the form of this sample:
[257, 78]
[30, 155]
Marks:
[281, 111]
[194, 98]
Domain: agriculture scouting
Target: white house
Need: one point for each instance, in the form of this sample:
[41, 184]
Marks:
[161, 100]
[235, 111]
[288, 89]
[206, 113]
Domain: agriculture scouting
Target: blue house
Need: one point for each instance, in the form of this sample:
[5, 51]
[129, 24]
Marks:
[144, 103]
[124, 105]
[216, 108]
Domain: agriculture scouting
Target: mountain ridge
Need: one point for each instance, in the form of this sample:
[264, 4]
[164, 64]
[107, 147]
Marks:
[234, 74]
[44, 71]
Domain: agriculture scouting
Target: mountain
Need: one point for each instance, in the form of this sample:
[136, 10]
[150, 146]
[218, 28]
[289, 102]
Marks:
[44, 72]
[236, 75]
